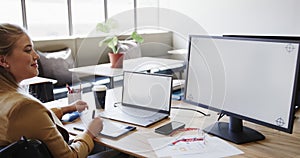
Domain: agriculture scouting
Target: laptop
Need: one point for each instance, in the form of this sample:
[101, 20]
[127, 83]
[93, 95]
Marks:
[146, 99]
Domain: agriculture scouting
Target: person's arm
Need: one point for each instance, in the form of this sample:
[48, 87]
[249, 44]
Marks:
[32, 120]
[76, 106]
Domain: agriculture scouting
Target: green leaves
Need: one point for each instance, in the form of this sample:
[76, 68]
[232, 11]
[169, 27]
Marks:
[138, 38]
[106, 26]
[103, 27]
[112, 41]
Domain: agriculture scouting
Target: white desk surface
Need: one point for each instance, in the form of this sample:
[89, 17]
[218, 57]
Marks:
[137, 64]
[178, 51]
[37, 79]
[276, 144]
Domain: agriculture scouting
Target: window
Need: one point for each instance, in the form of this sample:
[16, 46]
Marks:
[52, 18]
[86, 15]
[118, 6]
[12, 12]
[147, 3]
[122, 11]
[148, 18]
[47, 18]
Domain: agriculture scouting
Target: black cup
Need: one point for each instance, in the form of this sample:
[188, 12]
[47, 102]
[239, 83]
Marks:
[99, 94]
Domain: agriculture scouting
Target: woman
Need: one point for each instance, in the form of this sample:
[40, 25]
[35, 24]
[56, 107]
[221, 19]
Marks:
[22, 115]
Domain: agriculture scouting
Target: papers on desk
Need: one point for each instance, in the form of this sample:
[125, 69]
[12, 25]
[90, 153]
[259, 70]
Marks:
[211, 147]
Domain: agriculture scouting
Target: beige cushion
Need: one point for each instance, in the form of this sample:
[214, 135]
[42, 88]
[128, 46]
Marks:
[55, 65]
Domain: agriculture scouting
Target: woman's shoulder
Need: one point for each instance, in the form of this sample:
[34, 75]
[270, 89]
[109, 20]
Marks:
[19, 97]
[16, 100]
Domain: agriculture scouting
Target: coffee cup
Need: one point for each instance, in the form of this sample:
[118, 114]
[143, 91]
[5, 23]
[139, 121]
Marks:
[99, 94]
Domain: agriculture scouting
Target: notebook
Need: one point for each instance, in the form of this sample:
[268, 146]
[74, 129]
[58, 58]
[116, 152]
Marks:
[111, 129]
[115, 130]
[146, 99]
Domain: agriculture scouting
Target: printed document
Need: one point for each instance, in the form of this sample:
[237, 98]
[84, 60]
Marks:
[191, 146]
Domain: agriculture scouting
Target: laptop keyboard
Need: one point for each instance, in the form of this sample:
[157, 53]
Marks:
[135, 116]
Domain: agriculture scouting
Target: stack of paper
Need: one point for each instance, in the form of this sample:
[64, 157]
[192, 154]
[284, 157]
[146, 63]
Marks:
[209, 147]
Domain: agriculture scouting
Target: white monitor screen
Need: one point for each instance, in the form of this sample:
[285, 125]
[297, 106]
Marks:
[147, 90]
[253, 79]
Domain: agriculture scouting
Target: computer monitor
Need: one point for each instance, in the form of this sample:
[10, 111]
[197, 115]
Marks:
[245, 78]
[277, 37]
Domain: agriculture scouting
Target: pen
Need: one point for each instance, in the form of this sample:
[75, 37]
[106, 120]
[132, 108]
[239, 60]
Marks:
[78, 129]
[93, 114]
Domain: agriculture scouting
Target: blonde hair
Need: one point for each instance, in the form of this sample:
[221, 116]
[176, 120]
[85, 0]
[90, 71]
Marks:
[9, 34]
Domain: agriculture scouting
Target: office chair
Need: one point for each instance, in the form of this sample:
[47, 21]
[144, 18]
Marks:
[25, 148]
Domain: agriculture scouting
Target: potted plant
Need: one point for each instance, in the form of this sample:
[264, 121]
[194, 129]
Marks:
[117, 47]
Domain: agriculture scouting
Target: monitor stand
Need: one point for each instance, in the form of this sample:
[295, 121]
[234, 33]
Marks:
[234, 131]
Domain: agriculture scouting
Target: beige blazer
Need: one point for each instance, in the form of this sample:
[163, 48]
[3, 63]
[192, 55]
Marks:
[21, 115]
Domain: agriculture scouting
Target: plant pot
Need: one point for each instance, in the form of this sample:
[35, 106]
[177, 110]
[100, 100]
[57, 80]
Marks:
[116, 60]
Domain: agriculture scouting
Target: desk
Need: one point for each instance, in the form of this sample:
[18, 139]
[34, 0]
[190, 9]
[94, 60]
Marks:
[138, 64]
[35, 80]
[180, 54]
[276, 144]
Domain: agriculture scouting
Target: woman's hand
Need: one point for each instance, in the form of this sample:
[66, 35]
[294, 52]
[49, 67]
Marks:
[95, 127]
[80, 105]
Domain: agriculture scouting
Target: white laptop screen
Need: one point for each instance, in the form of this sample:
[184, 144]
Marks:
[147, 90]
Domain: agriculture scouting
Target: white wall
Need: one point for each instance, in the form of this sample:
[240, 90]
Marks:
[219, 17]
